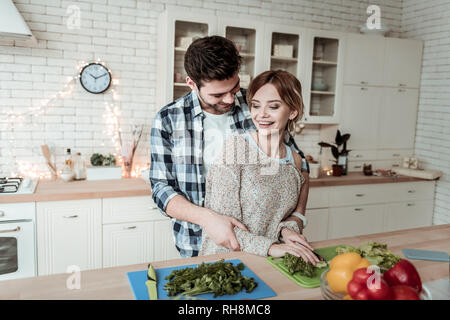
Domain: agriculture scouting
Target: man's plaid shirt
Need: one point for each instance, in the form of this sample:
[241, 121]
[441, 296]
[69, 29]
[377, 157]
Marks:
[176, 151]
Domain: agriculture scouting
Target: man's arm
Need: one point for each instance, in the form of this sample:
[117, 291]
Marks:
[170, 199]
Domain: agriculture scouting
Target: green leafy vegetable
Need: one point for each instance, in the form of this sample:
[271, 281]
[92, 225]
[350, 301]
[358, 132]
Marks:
[297, 264]
[377, 254]
[219, 278]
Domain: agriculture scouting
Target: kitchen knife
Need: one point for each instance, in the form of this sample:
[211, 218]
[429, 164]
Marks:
[151, 283]
[417, 254]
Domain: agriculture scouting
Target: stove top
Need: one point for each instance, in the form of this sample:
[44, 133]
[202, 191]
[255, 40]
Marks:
[17, 185]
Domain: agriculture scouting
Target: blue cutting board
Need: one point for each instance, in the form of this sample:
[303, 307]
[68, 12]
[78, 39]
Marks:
[137, 281]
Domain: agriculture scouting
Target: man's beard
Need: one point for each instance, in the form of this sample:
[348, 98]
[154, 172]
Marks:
[216, 107]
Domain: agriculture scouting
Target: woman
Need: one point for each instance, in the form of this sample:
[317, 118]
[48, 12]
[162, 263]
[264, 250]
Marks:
[257, 178]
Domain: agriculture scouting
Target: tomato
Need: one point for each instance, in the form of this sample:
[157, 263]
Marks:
[354, 287]
[404, 292]
[361, 275]
[362, 295]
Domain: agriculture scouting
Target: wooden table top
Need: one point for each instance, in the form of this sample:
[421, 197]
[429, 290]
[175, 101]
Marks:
[78, 190]
[112, 283]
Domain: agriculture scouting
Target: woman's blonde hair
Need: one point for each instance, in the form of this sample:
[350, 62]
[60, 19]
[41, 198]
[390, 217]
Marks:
[289, 88]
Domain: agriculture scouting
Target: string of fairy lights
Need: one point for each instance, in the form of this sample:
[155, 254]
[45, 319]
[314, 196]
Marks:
[13, 119]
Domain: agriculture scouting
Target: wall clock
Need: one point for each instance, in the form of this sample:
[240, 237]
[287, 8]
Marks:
[95, 78]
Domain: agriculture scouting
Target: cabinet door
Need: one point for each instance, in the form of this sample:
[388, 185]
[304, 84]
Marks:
[164, 244]
[403, 62]
[248, 35]
[406, 215]
[127, 243]
[323, 87]
[69, 233]
[397, 118]
[364, 60]
[354, 221]
[360, 107]
[317, 228]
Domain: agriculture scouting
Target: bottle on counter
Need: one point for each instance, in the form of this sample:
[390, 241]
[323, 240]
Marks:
[68, 161]
[79, 167]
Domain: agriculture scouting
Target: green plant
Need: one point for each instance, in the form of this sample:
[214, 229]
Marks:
[340, 140]
[98, 159]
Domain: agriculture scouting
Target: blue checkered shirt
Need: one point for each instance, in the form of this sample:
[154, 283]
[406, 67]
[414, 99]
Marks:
[176, 151]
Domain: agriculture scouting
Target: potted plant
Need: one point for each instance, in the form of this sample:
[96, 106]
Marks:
[103, 168]
[339, 153]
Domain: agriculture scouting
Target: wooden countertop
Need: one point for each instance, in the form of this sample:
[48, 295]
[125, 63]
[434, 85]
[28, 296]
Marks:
[112, 283]
[78, 190]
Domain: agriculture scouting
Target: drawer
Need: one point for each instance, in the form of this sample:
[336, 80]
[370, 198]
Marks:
[355, 220]
[412, 191]
[318, 197]
[17, 211]
[362, 155]
[358, 194]
[317, 228]
[128, 209]
[407, 215]
[394, 154]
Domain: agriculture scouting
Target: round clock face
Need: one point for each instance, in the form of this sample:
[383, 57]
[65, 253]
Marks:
[95, 78]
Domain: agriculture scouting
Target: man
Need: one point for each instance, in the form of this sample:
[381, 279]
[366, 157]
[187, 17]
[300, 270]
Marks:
[184, 130]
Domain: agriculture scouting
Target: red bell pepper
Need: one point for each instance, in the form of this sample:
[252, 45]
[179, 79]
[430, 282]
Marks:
[361, 288]
[404, 272]
[402, 292]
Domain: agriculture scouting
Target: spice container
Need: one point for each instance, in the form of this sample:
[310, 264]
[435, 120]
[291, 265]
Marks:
[79, 167]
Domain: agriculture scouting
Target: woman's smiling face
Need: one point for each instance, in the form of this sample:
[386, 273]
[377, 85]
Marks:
[269, 112]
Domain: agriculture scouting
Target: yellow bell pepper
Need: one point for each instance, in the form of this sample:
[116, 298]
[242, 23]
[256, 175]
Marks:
[341, 270]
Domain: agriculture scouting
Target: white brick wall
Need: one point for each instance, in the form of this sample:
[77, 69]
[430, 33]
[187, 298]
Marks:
[123, 34]
[428, 21]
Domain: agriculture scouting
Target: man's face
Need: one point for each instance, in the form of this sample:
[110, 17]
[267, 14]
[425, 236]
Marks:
[217, 96]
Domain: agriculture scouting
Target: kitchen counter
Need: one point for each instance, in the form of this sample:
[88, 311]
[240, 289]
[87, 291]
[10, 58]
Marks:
[112, 283]
[77, 190]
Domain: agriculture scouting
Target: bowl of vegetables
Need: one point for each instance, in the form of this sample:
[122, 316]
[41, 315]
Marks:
[371, 272]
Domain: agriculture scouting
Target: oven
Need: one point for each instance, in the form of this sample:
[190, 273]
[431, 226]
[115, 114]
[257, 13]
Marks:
[17, 240]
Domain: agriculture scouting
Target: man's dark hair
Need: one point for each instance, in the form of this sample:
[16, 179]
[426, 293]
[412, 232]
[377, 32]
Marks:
[211, 58]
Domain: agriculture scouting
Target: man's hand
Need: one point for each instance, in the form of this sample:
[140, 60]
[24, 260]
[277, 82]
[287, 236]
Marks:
[220, 229]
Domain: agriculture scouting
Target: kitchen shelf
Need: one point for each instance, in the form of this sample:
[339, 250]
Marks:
[179, 49]
[180, 84]
[246, 55]
[322, 92]
[325, 62]
[284, 59]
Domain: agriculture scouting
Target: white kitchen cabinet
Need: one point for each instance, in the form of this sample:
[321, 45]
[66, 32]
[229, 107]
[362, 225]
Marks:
[402, 63]
[317, 228]
[406, 215]
[69, 233]
[360, 112]
[355, 220]
[397, 116]
[175, 28]
[324, 76]
[364, 60]
[135, 232]
[248, 35]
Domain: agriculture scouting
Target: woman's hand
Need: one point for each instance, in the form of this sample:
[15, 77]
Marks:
[297, 245]
[280, 249]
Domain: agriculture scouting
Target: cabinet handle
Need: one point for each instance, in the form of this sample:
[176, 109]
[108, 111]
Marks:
[129, 228]
[396, 155]
[401, 90]
[357, 167]
[364, 89]
[359, 195]
[359, 209]
[395, 165]
[364, 82]
[358, 156]
[71, 217]
[411, 191]
[410, 204]
[402, 85]
[11, 230]
[2, 213]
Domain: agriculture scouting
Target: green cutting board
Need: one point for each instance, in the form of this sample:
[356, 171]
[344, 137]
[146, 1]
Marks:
[327, 253]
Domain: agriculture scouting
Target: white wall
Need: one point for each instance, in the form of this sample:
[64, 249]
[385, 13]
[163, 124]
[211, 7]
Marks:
[429, 21]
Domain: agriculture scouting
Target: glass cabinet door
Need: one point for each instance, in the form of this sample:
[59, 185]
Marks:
[185, 33]
[325, 78]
